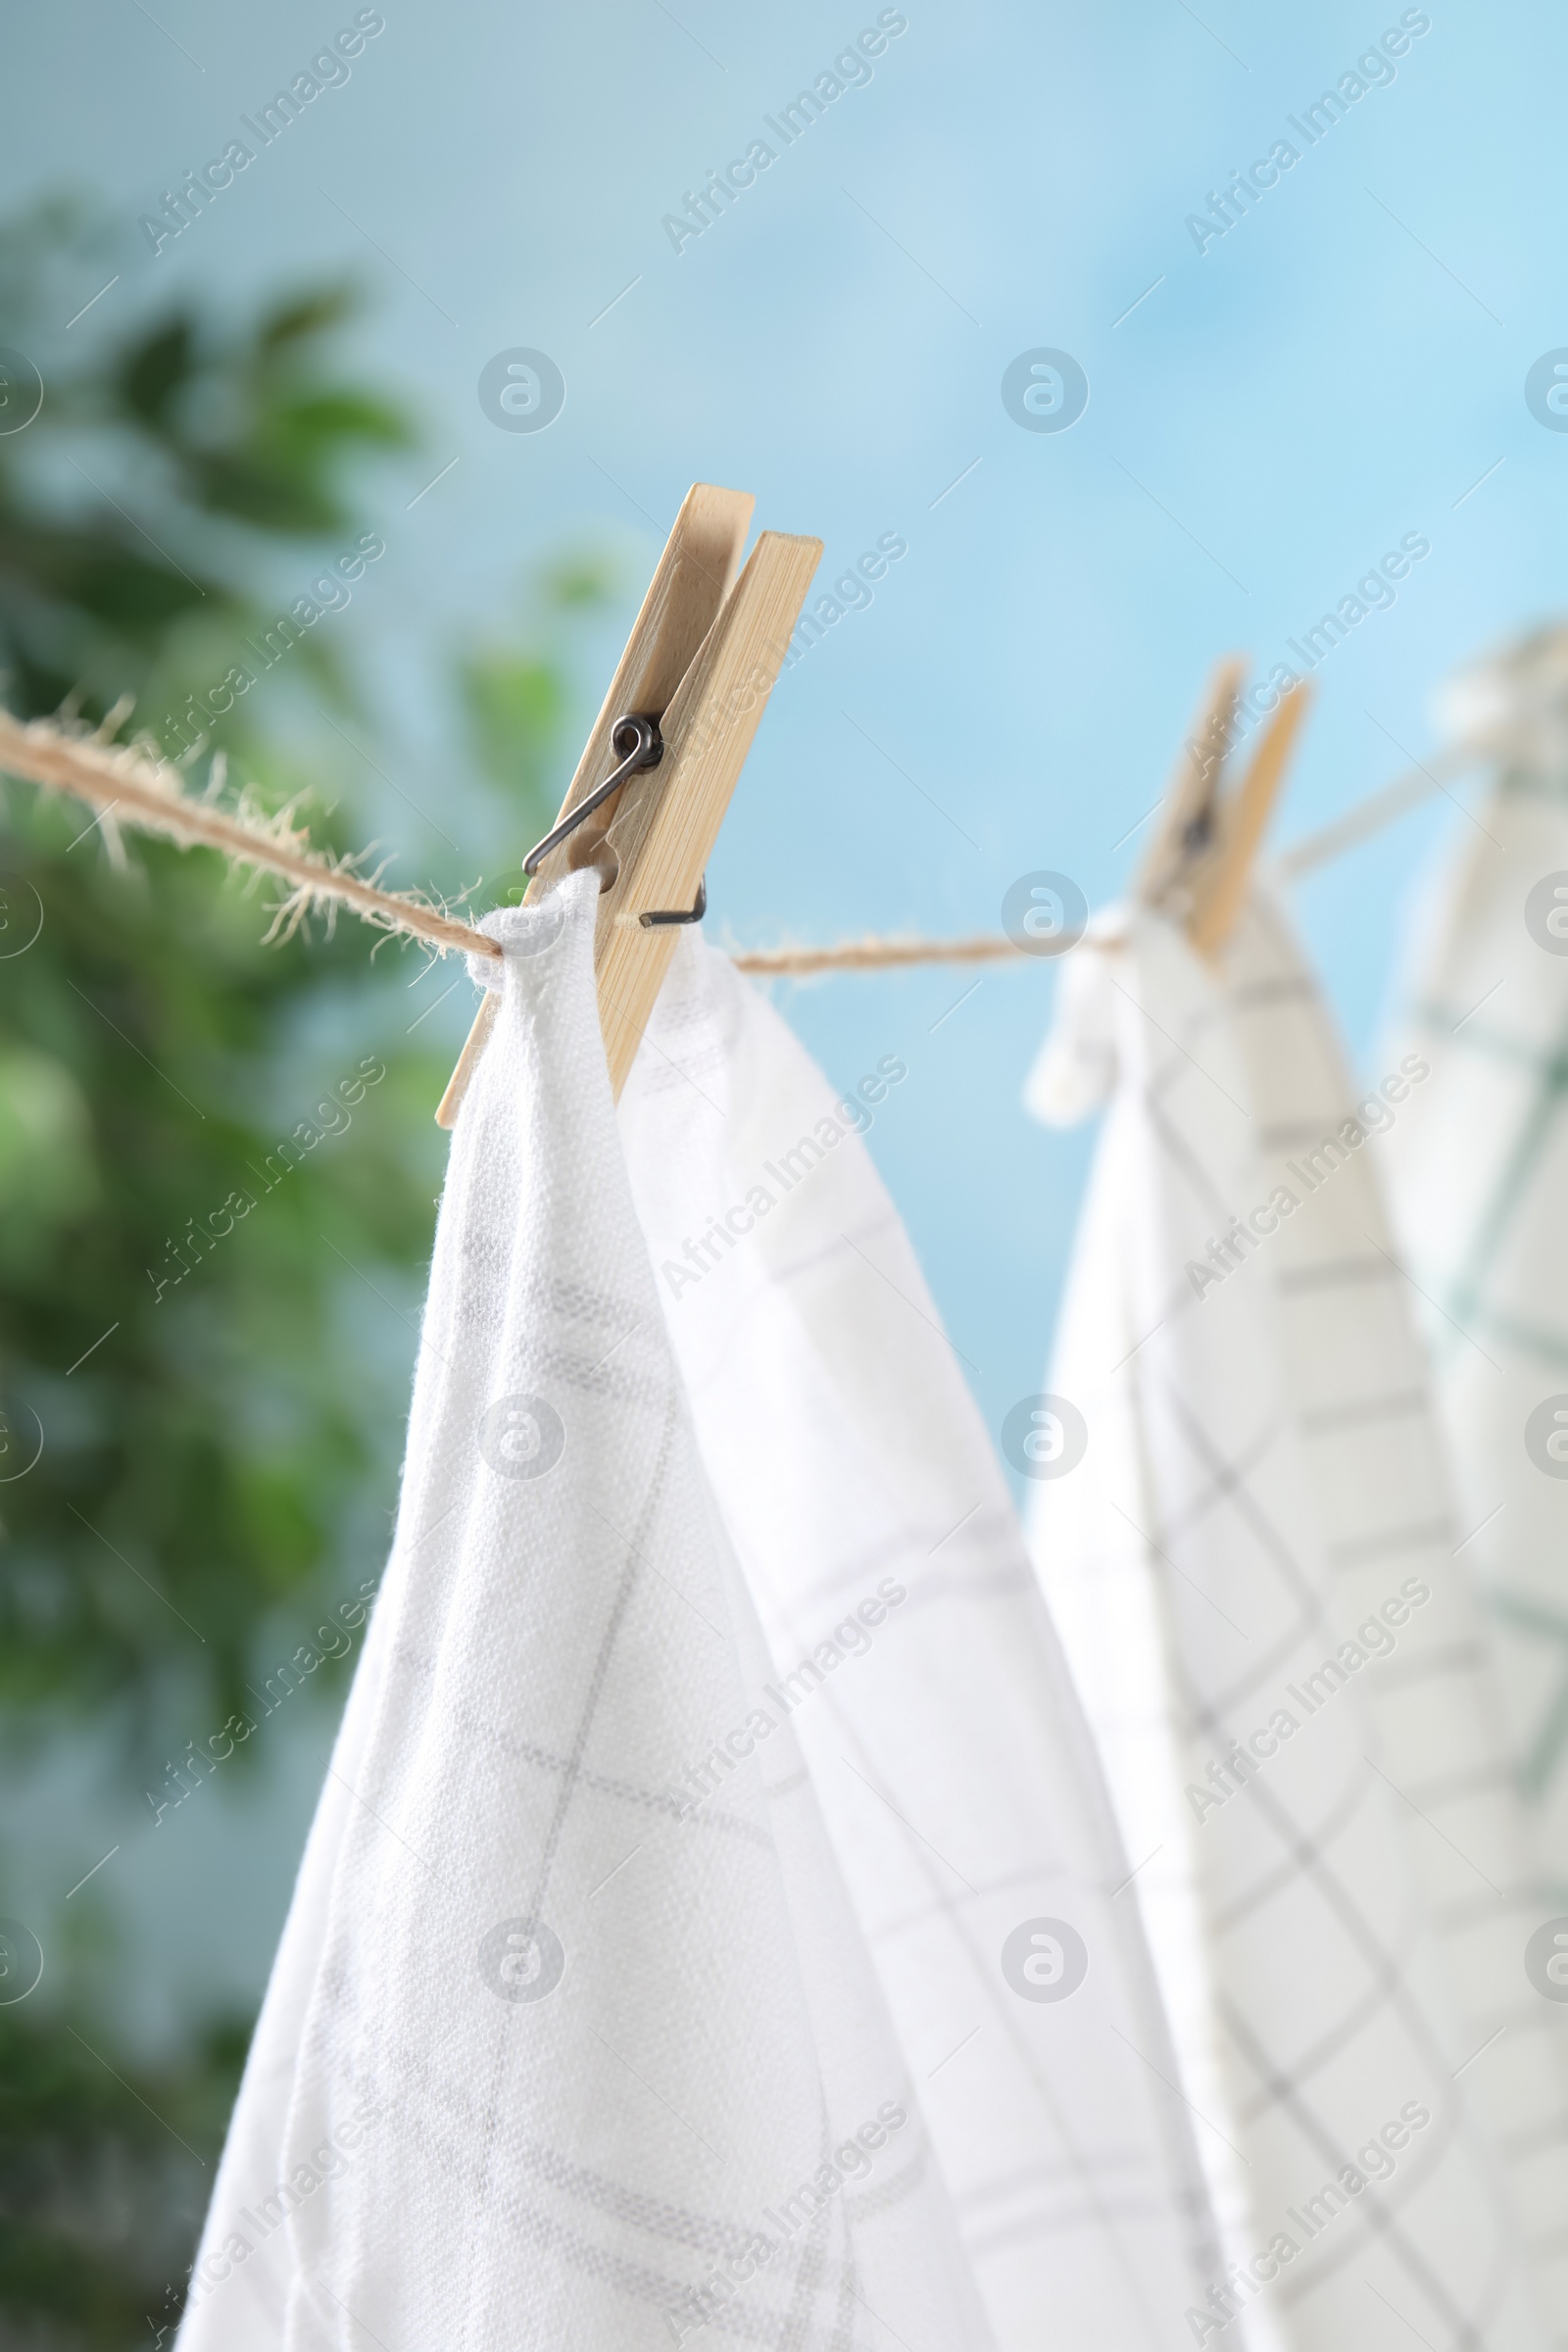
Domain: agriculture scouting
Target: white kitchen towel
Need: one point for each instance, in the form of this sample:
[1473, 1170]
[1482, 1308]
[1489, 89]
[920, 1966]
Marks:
[549, 2059]
[915, 1662]
[1239, 1513]
[1478, 1179]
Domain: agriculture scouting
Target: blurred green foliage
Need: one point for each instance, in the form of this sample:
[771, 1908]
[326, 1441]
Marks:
[515, 702]
[214, 1443]
[105, 587]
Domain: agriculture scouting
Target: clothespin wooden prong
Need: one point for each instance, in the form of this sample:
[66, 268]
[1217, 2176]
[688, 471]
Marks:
[1201, 860]
[668, 817]
[701, 660]
[1244, 818]
[1185, 828]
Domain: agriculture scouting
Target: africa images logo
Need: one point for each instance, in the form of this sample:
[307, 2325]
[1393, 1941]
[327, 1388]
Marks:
[522, 1437]
[1546, 907]
[1044, 1960]
[522, 390]
[1044, 1437]
[521, 1960]
[1546, 1436]
[1044, 390]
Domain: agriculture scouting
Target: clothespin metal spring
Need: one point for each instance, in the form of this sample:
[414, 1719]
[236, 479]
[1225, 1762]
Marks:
[641, 746]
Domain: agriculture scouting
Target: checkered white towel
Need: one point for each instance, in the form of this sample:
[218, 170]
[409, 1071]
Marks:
[575, 2037]
[1239, 1512]
[548, 2061]
[1479, 1176]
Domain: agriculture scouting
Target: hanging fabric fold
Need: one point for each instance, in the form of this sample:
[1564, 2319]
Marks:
[1261, 1588]
[1478, 1173]
[912, 1655]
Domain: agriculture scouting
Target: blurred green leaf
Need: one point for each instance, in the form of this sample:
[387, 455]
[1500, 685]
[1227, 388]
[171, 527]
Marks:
[514, 705]
[579, 583]
[305, 315]
[105, 2167]
[155, 371]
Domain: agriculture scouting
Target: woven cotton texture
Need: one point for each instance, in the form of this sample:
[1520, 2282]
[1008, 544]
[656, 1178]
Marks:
[1479, 1174]
[913, 1657]
[547, 2060]
[1256, 1570]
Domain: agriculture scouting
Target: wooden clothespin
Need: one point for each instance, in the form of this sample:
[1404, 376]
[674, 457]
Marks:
[1201, 858]
[702, 659]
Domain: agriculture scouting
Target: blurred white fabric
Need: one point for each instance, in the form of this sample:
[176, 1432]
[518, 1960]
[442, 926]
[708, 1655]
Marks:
[1240, 1516]
[575, 2037]
[1478, 1174]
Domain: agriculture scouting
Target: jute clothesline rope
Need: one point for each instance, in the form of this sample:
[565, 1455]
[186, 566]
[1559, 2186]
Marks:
[129, 784]
[132, 784]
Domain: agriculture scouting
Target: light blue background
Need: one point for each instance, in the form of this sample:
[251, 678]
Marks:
[1340, 369]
